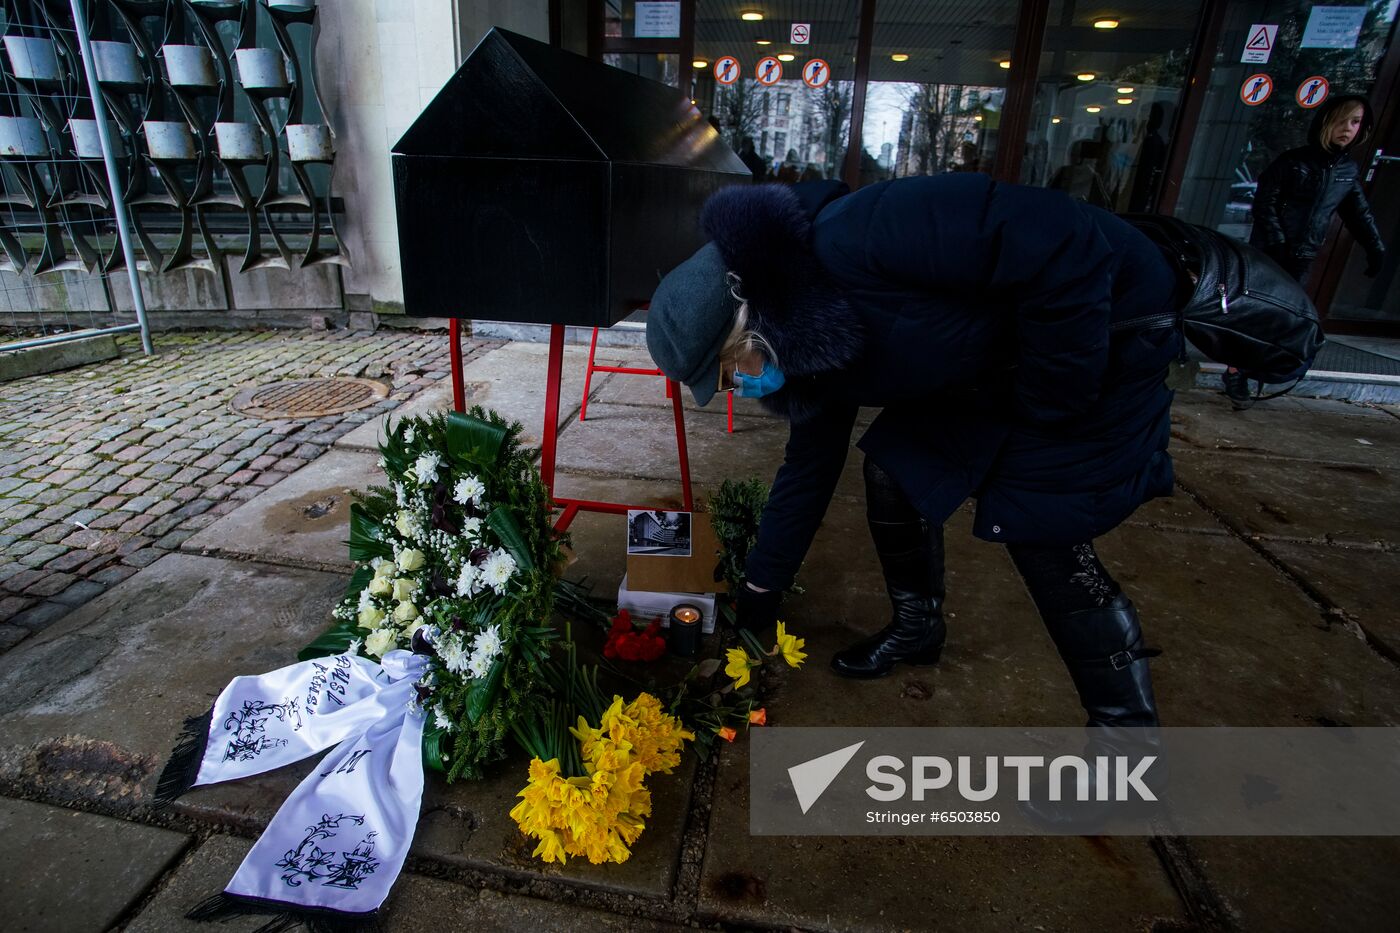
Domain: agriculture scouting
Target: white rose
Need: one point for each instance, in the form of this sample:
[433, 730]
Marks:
[403, 590]
[381, 586]
[412, 627]
[404, 523]
[382, 567]
[371, 617]
[405, 613]
[380, 641]
[410, 560]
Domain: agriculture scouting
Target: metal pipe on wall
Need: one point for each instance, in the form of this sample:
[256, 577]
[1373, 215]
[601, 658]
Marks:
[109, 161]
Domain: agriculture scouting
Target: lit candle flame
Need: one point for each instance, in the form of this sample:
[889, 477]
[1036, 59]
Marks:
[687, 615]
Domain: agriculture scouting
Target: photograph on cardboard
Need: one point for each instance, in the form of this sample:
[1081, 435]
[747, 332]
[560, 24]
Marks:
[658, 533]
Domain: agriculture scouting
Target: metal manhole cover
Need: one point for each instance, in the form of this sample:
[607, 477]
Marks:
[309, 398]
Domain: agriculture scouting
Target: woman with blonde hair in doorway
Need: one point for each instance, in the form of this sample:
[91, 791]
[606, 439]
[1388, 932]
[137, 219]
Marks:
[1298, 194]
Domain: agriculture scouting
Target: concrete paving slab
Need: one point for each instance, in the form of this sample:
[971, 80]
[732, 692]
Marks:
[1241, 644]
[1287, 428]
[510, 379]
[1302, 885]
[1297, 500]
[91, 707]
[416, 904]
[303, 521]
[1177, 513]
[70, 872]
[1364, 583]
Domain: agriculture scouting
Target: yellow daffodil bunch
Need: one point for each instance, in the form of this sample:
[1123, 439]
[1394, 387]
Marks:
[598, 816]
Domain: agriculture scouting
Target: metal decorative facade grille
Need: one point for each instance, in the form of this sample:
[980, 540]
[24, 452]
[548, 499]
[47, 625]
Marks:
[216, 124]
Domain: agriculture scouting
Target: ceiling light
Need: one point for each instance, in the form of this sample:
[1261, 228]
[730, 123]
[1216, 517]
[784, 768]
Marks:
[1125, 100]
[700, 63]
[764, 42]
[786, 57]
[900, 57]
[1086, 76]
[1093, 108]
[1054, 119]
[1125, 90]
[751, 16]
[1105, 24]
[1005, 63]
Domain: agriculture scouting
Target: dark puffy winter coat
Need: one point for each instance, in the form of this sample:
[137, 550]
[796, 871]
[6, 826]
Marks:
[1300, 191]
[999, 328]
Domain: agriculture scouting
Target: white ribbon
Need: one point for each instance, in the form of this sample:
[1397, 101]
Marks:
[339, 841]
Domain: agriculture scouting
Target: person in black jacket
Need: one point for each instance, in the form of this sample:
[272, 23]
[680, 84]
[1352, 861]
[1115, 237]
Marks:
[1015, 342]
[1300, 191]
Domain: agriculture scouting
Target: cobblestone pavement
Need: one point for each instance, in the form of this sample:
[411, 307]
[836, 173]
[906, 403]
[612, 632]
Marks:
[105, 468]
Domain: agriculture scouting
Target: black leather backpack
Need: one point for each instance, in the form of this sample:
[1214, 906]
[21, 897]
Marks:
[1237, 306]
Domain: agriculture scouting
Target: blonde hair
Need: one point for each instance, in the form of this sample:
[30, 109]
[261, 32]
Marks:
[743, 339]
[1339, 116]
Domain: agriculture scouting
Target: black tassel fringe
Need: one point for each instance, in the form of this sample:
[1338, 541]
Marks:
[222, 907]
[183, 767]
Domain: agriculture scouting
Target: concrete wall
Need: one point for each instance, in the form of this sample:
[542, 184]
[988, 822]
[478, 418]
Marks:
[381, 62]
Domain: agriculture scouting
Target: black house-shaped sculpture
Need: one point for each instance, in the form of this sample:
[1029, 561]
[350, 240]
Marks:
[541, 187]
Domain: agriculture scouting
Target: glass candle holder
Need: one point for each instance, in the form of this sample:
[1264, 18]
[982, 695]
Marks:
[685, 630]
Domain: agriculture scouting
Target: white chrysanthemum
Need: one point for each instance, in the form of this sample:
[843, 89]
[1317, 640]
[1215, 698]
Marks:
[454, 655]
[425, 468]
[488, 641]
[479, 664]
[366, 600]
[400, 496]
[497, 570]
[468, 581]
[383, 464]
[444, 722]
[409, 434]
[471, 528]
[468, 491]
[354, 647]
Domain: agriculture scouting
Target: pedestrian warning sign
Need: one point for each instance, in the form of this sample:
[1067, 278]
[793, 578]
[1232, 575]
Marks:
[726, 69]
[1256, 89]
[769, 71]
[816, 73]
[1312, 92]
[1259, 43]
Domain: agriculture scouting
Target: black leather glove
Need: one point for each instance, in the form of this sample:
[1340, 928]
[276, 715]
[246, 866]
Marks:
[1374, 260]
[757, 610]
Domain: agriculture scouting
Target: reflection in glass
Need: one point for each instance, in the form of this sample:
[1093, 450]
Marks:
[937, 88]
[790, 130]
[1106, 100]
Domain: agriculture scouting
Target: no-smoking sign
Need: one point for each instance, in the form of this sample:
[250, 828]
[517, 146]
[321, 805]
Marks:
[801, 33]
[769, 71]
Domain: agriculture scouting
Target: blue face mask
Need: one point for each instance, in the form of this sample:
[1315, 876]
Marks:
[767, 382]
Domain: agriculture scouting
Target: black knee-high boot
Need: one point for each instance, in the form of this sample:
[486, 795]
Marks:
[1096, 629]
[911, 555]
[1097, 632]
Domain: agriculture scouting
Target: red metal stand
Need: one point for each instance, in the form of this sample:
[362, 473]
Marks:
[550, 442]
[595, 368]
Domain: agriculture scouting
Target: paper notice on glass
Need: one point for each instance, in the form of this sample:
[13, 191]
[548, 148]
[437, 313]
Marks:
[658, 21]
[1333, 27]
